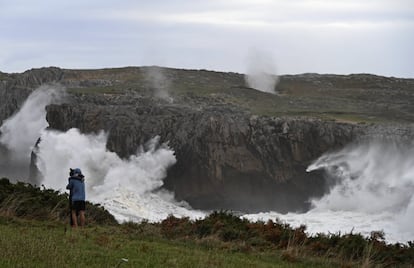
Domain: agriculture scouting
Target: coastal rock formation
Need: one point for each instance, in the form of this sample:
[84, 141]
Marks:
[225, 158]
[236, 148]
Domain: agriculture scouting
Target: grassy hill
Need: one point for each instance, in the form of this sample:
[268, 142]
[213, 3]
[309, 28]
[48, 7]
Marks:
[358, 98]
[355, 98]
[33, 234]
[43, 244]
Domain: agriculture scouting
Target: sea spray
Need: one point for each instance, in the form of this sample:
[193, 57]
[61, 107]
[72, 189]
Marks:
[20, 132]
[128, 188]
[372, 183]
[371, 177]
[261, 71]
[157, 80]
[372, 189]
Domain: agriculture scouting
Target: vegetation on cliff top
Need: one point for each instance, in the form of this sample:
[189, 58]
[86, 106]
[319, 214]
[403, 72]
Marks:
[34, 232]
[358, 98]
[23, 200]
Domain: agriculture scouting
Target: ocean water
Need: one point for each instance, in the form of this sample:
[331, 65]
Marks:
[372, 190]
[372, 182]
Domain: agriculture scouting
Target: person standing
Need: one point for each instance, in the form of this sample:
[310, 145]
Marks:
[76, 186]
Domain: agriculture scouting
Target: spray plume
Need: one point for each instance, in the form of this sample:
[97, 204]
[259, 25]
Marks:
[20, 132]
[373, 182]
[129, 189]
[156, 79]
[372, 177]
[261, 71]
[372, 189]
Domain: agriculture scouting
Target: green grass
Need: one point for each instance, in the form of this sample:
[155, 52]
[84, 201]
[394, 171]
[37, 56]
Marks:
[26, 201]
[353, 98]
[42, 244]
[32, 243]
[96, 90]
[34, 232]
[3, 76]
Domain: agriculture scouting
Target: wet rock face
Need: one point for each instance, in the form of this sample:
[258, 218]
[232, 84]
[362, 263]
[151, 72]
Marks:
[255, 164]
[36, 77]
[225, 159]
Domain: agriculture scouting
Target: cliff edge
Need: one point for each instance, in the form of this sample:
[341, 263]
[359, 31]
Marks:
[236, 148]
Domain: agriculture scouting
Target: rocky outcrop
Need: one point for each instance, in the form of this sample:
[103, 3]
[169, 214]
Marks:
[228, 156]
[225, 158]
[15, 88]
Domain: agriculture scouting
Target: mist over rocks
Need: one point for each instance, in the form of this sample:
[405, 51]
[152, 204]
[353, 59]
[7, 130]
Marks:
[236, 148]
[261, 71]
[15, 88]
[225, 159]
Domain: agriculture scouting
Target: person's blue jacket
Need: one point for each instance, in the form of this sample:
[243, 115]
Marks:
[76, 186]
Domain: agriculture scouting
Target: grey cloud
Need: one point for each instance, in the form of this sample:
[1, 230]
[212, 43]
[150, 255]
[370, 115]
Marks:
[215, 34]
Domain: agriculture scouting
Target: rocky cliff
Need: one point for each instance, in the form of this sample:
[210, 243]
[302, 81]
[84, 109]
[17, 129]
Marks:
[14, 88]
[226, 159]
[236, 148]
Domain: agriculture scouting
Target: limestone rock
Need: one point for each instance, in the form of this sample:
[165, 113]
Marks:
[230, 155]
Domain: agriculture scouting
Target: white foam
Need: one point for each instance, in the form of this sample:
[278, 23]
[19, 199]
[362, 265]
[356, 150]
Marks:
[261, 71]
[374, 182]
[328, 221]
[127, 188]
[373, 190]
[20, 132]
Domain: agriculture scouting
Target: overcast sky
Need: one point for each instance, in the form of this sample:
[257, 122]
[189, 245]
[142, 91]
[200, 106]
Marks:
[298, 36]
